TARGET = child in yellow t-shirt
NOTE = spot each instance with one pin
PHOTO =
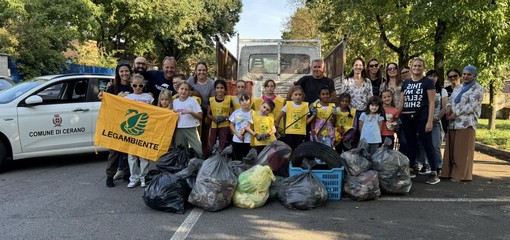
(269, 87)
(344, 124)
(296, 112)
(218, 112)
(322, 127)
(262, 127)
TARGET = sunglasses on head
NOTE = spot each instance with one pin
(137, 85)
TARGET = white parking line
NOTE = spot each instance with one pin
(186, 226)
(444, 199)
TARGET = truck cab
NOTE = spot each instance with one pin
(284, 61)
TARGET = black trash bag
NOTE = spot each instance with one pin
(393, 169)
(363, 187)
(176, 159)
(191, 171)
(277, 156)
(251, 157)
(151, 175)
(302, 191)
(275, 186)
(356, 160)
(215, 184)
(238, 167)
(167, 192)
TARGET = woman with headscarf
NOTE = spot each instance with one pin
(462, 111)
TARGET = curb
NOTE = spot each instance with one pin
(492, 151)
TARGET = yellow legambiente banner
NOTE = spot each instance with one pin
(135, 128)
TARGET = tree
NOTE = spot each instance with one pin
(447, 31)
(301, 25)
(40, 31)
(163, 28)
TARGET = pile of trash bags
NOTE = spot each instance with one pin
(216, 183)
(366, 176)
(360, 183)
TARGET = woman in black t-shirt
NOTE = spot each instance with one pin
(416, 110)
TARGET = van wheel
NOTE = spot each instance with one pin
(313, 150)
(3, 156)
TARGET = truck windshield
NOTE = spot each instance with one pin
(289, 64)
(18, 90)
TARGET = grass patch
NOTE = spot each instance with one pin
(498, 138)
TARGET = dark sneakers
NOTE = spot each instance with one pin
(109, 182)
(424, 170)
(433, 179)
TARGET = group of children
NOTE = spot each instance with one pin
(259, 121)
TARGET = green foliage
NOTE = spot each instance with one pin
(301, 25)
(476, 32)
(88, 54)
(499, 138)
(37, 32)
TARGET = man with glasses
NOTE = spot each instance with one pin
(375, 75)
(140, 66)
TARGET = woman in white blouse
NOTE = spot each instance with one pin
(462, 111)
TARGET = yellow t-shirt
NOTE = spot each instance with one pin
(293, 114)
(343, 119)
(324, 114)
(278, 105)
(220, 109)
(261, 125)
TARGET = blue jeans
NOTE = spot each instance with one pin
(436, 143)
(415, 124)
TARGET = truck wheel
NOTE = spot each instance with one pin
(313, 150)
(3, 156)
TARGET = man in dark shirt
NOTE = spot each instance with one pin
(160, 80)
(312, 83)
(140, 66)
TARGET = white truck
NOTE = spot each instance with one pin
(284, 61)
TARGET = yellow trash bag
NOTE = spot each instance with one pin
(252, 188)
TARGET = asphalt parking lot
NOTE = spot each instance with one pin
(66, 198)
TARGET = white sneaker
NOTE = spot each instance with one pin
(142, 183)
(132, 184)
(118, 175)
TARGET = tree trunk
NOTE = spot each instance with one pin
(492, 107)
(439, 48)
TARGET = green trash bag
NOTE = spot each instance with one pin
(252, 188)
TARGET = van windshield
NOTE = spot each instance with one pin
(289, 64)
